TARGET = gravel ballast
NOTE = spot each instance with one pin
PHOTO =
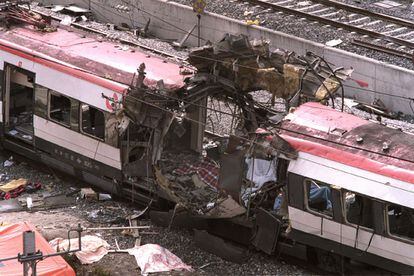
(313, 31)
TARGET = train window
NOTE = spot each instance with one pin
(59, 110)
(319, 197)
(400, 221)
(93, 121)
(358, 209)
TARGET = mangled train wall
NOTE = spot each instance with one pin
(380, 77)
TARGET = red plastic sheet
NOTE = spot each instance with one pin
(11, 243)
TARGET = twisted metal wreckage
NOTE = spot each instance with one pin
(203, 173)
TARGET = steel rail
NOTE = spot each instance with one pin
(355, 9)
(384, 49)
(332, 22)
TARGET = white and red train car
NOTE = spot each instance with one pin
(366, 171)
(52, 104)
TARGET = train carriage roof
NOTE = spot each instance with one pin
(90, 56)
(325, 132)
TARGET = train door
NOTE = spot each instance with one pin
(19, 105)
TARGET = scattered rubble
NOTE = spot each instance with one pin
(53, 223)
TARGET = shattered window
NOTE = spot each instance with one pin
(400, 221)
(93, 121)
(358, 209)
(59, 108)
(319, 197)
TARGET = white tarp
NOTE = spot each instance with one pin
(93, 248)
(153, 258)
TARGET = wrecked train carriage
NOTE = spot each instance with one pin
(350, 191)
(62, 103)
(329, 187)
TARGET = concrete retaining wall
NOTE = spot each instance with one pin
(171, 21)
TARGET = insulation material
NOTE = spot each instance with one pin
(11, 244)
(93, 248)
(271, 80)
(152, 258)
(293, 76)
(329, 84)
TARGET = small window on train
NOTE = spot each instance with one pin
(319, 197)
(358, 209)
(400, 221)
(93, 121)
(59, 109)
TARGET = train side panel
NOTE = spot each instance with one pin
(365, 239)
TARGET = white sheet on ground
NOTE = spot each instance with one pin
(153, 258)
(93, 248)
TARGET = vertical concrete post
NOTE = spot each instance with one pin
(198, 124)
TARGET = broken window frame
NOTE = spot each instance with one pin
(306, 198)
(41, 98)
(387, 226)
(62, 123)
(345, 214)
(81, 104)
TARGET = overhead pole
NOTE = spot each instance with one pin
(198, 7)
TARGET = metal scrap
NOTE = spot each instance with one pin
(244, 66)
(17, 14)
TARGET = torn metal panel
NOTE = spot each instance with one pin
(164, 184)
(231, 172)
(228, 208)
(267, 231)
(250, 66)
(178, 220)
(14, 13)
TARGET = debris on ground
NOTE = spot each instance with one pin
(88, 193)
(13, 185)
(8, 162)
(15, 188)
(153, 258)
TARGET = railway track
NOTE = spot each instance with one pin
(379, 32)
